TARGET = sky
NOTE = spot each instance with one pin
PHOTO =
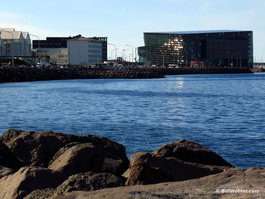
(124, 22)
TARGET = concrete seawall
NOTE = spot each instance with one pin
(14, 74)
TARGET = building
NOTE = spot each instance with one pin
(84, 51)
(53, 55)
(224, 48)
(104, 41)
(14, 43)
(55, 50)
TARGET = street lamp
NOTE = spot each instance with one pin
(38, 45)
(115, 49)
(12, 53)
(132, 51)
(112, 51)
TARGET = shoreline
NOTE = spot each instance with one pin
(23, 74)
(59, 165)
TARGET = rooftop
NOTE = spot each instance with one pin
(198, 32)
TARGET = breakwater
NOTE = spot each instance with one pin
(21, 74)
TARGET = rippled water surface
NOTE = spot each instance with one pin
(222, 112)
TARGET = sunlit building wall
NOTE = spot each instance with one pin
(84, 51)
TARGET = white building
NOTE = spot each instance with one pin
(14, 43)
(84, 51)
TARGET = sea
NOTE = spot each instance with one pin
(223, 112)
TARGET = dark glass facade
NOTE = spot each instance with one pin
(198, 48)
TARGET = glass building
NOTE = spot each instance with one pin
(225, 48)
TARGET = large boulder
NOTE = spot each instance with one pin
(178, 161)
(148, 168)
(79, 158)
(112, 163)
(28, 179)
(39, 148)
(191, 152)
(89, 181)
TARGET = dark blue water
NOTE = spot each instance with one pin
(222, 112)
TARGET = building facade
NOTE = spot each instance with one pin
(53, 55)
(56, 48)
(84, 51)
(225, 48)
(14, 43)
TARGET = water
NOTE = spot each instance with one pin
(222, 112)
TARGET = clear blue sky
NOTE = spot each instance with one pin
(124, 22)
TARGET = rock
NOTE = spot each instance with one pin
(41, 194)
(38, 148)
(28, 179)
(148, 168)
(213, 186)
(191, 152)
(178, 161)
(4, 171)
(89, 182)
(80, 158)
(63, 150)
(181, 169)
(7, 159)
(34, 148)
(114, 164)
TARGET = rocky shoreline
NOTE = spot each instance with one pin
(41, 165)
(22, 74)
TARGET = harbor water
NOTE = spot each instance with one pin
(223, 112)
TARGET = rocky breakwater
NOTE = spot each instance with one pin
(22, 74)
(40, 165)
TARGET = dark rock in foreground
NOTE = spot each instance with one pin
(59, 165)
(28, 179)
(39, 148)
(191, 152)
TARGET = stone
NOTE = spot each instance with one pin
(4, 171)
(112, 163)
(148, 168)
(7, 159)
(89, 181)
(213, 186)
(41, 194)
(62, 150)
(39, 148)
(191, 152)
(80, 158)
(35, 149)
(28, 179)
